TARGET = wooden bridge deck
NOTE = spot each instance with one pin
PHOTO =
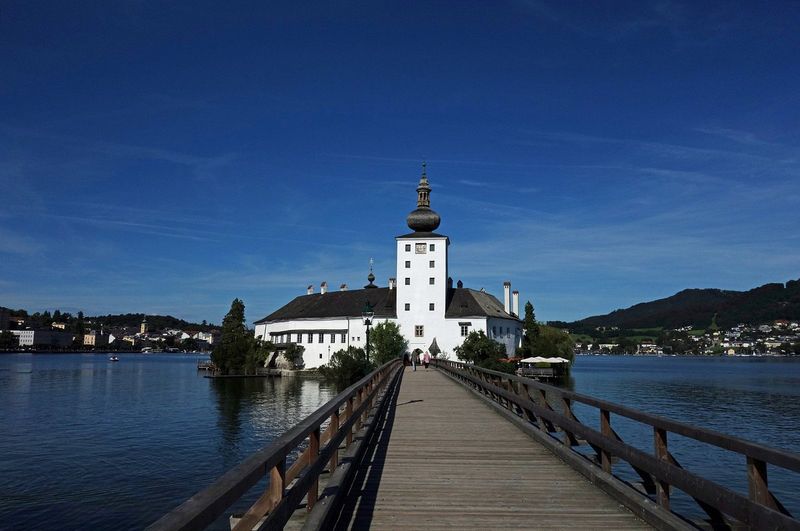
(446, 460)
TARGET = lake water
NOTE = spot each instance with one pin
(91, 444)
(755, 398)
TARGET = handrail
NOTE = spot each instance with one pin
(775, 456)
(660, 471)
(344, 413)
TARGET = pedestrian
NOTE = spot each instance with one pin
(414, 360)
(406, 359)
(426, 359)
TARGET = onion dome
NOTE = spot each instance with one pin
(423, 219)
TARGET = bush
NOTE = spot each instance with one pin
(497, 365)
(346, 367)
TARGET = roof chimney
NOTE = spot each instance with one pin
(392, 281)
(507, 296)
(310, 289)
(515, 303)
(343, 287)
(323, 288)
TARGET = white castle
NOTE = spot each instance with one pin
(421, 299)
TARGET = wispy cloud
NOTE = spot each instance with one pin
(204, 168)
(13, 243)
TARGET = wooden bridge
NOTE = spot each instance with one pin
(461, 447)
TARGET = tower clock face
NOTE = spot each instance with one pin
(420, 248)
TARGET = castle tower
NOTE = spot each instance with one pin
(143, 327)
(422, 272)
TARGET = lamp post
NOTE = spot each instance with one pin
(367, 316)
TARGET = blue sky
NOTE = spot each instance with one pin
(166, 157)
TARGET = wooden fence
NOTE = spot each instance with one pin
(344, 423)
(660, 472)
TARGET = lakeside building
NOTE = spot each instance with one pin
(43, 338)
(421, 299)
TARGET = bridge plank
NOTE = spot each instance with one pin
(448, 461)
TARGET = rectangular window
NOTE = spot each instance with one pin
(408, 264)
(310, 337)
(299, 338)
(433, 247)
(432, 263)
(431, 306)
(420, 248)
(419, 331)
(333, 338)
(464, 330)
(432, 281)
(408, 281)
(494, 332)
(408, 247)
(321, 336)
(408, 307)
(344, 338)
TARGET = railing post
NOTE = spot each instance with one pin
(757, 481)
(605, 429)
(313, 455)
(360, 401)
(662, 453)
(348, 412)
(569, 438)
(524, 392)
(277, 482)
(546, 423)
(334, 462)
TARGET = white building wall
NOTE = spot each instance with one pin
(418, 261)
(508, 332)
(317, 352)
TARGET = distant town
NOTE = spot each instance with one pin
(20, 331)
(131, 332)
(777, 338)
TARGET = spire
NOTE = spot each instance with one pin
(423, 219)
(371, 276)
(424, 189)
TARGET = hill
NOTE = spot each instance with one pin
(155, 322)
(698, 308)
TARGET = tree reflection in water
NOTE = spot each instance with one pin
(252, 412)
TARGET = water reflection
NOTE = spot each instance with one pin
(256, 410)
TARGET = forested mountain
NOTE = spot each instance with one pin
(698, 307)
(154, 322)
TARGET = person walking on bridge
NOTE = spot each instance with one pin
(426, 359)
(414, 360)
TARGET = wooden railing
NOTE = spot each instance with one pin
(532, 402)
(344, 423)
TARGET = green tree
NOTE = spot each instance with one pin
(231, 353)
(386, 342)
(531, 332)
(80, 328)
(346, 367)
(553, 343)
(8, 340)
(294, 355)
(189, 344)
(477, 347)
